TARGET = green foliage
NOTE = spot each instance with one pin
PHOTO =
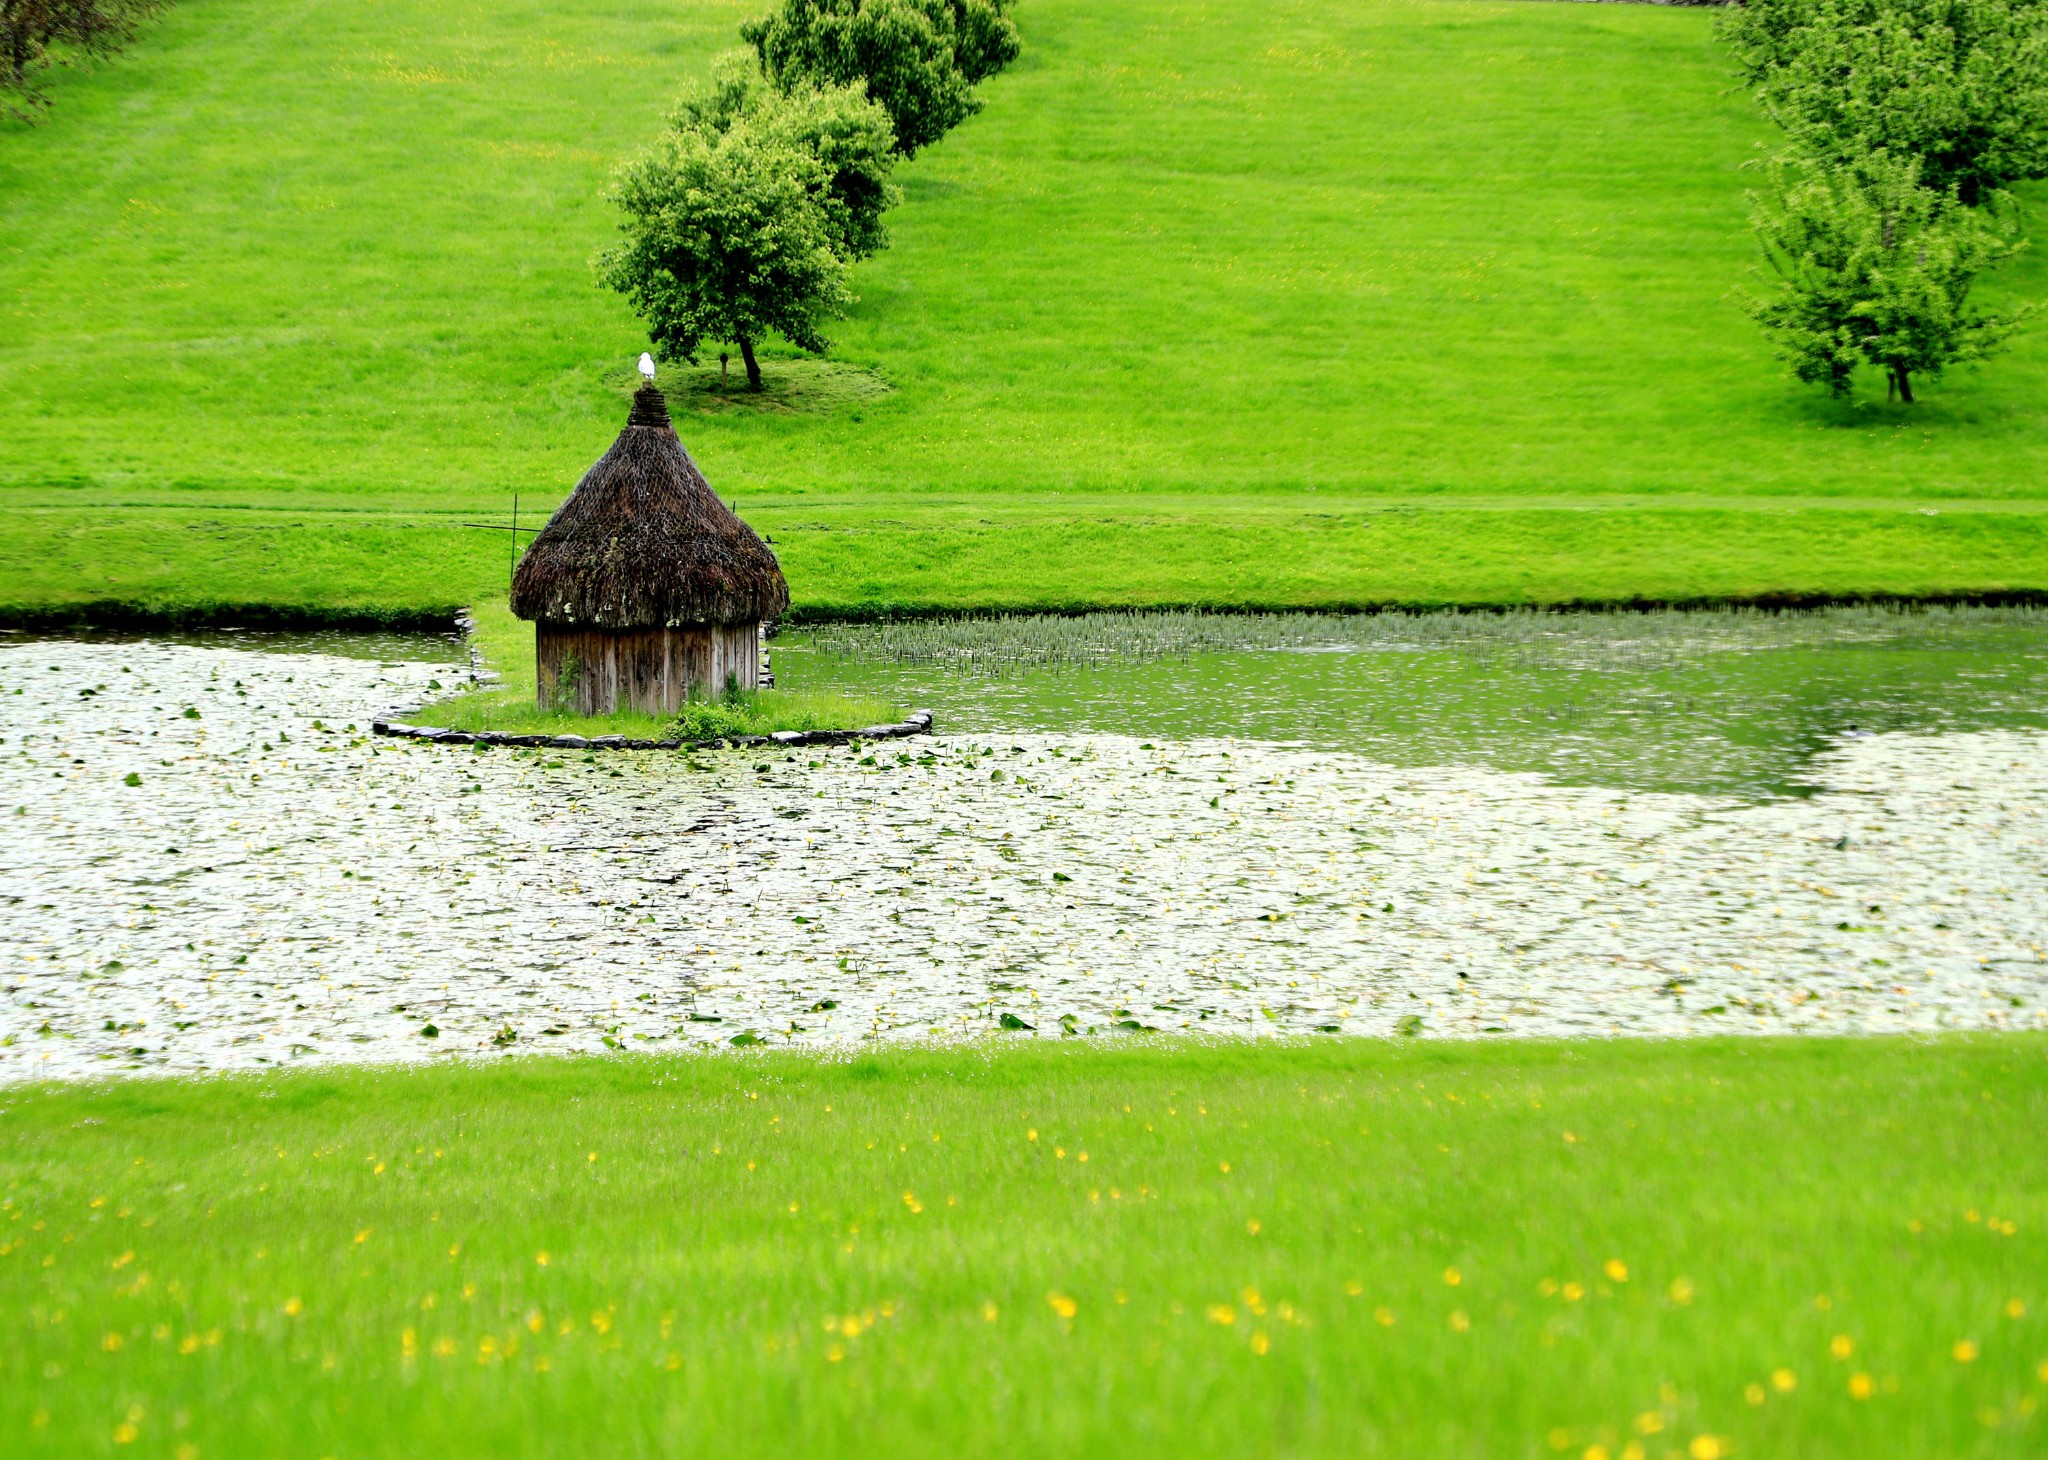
(848, 134)
(747, 213)
(1962, 85)
(920, 59)
(33, 33)
(1871, 266)
(775, 1254)
(726, 239)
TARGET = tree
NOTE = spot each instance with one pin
(1961, 85)
(849, 134)
(727, 238)
(920, 59)
(29, 29)
(1870, 265)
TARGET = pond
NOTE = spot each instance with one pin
(1569, 828)
(1737, 702)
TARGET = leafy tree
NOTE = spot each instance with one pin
(29, 29)
(1870, 265)
(920, 59)
(1962, 85)
(727, 237)
(849, 134)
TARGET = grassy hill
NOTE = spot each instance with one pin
(1286, 303)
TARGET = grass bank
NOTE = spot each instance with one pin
(1278, 305)
(882, 558)
(505, 644)
(1748, 1248)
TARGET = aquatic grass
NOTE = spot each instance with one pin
(998, 644)
(1139, 1247)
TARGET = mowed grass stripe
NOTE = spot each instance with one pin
(868, 559)
(1338, 1248)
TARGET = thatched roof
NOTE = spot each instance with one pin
(643, 542)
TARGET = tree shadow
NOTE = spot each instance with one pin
(796, 387)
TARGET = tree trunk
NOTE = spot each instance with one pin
(1905, 384)
(753, 365)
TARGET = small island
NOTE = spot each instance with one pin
(652, 604)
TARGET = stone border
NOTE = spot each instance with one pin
(392, 723)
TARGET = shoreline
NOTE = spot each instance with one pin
(115, 616)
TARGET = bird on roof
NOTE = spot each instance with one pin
(647, 367)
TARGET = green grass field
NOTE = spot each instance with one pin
(1298, 304)
(1744, 1248)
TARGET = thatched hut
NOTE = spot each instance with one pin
(644, 587)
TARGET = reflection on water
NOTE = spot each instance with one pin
(1732, 702)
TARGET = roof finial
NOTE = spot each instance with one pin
(647, 367)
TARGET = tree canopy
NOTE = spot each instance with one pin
(1867, 264)
(849, 135)
(1961, 85)
(726, 240)
(34, 32)
(919, 59)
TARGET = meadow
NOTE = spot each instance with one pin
(1294, 304)
(1621, 1249)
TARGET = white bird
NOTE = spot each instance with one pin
(647, 367)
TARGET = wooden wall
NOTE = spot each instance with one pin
(596, 671)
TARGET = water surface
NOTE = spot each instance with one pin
(1736, 702)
